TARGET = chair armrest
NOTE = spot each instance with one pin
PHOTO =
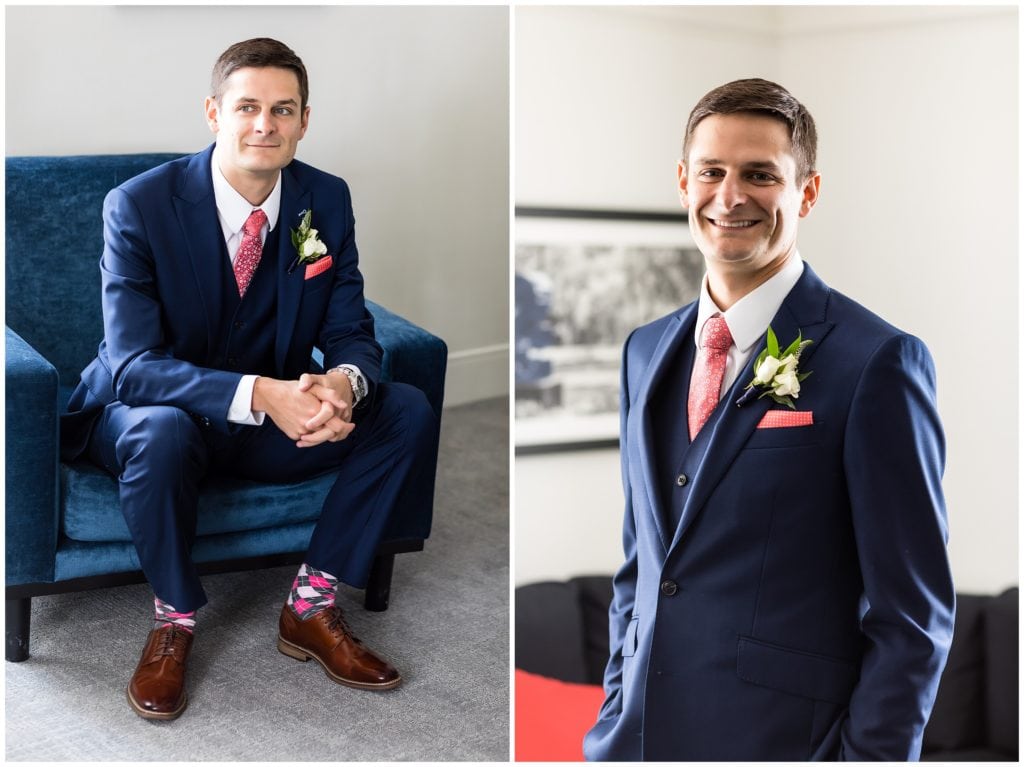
(31, 463)
(411, 354)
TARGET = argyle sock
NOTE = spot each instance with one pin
(312, 591)
(166, 615)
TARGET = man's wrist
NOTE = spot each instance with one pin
(356, 380)
(242, 410)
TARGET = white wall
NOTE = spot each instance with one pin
(917, 115)
(409, 105)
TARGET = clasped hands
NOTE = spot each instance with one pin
(310, 411)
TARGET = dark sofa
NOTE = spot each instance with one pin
(562, 633)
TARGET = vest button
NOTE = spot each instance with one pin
(669, 588)
(681, 480)
(239, 324)
(233, 361)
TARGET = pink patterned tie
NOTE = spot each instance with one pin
(708, 371)
(249, 252)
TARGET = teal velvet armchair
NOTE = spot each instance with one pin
(64, 528)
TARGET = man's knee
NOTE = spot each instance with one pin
(160, 435)
(410, 407)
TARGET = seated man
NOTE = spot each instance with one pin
(220, 272)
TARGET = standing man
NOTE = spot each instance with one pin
(220, 273)
(786, 593)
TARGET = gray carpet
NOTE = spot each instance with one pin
(446, 630)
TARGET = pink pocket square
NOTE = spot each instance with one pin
(318, 267)
(781, 419)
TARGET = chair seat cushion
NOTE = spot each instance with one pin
(91, 510)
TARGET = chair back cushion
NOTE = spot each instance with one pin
(54, 239)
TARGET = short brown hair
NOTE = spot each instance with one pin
(258, 52)
(764, 97)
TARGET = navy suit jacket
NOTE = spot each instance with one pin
(162, 289)
(810, 608)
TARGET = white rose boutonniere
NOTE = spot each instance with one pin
(776, 371)
(306, 241)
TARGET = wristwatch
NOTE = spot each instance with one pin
(355, 379)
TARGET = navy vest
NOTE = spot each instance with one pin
(247, 326)
(676, 459)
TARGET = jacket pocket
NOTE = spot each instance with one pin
(789, 436)
(629, 641)
(809, 675)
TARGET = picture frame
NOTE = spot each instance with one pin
(584, 280)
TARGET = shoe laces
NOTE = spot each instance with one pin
(337, 624)
(173, 642)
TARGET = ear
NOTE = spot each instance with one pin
(684, 196)
(212, 112)
(305, 122)
(810, 194)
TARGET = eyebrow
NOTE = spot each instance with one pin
(754, 165)
(251, 100)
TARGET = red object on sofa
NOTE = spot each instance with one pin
(552, 717)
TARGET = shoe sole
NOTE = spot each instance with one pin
(299, 653)
(157, 715)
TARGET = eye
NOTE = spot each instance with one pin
(762, 178)
(284, 111)
(710, 173)
(246, 108)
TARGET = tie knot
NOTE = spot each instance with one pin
(254, 223)
(716, 334)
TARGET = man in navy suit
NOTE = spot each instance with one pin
(786, 593)
(220, 273)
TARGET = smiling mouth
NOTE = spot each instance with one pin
(731, 224)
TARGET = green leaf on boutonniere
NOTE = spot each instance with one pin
(801, 376)
(773, 344)
(792, 347)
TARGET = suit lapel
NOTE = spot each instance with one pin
(197, 215)
(679, 329)
(294, 200)
(803, 310)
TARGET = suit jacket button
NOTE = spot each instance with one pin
(669, 588)
(681, 480)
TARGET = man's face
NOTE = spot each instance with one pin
(258, 121)
(739, 185)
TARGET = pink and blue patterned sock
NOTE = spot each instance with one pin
(312, 591)
(166, 615)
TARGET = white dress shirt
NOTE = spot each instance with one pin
(748, 318)
(233, 210)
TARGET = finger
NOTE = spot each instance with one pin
(346, 428)
(325, 414)
(306, 381)
(316, 437)
(327, 394)
(334, 430)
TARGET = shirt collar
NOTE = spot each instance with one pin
(749, 317)
(233, 209)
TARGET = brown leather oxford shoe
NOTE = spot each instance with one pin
(327, 639)
(157, 688)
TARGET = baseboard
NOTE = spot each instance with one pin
(476, 374)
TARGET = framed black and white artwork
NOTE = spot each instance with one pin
(584, 279)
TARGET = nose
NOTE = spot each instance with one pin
(264, 123)
(731, 193)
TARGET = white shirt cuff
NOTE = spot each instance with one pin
(241, 411)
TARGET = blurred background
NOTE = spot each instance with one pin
(917, 115)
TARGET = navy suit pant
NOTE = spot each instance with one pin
(160, 455)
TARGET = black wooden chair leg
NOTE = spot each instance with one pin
(378, 586)
(19, 621)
